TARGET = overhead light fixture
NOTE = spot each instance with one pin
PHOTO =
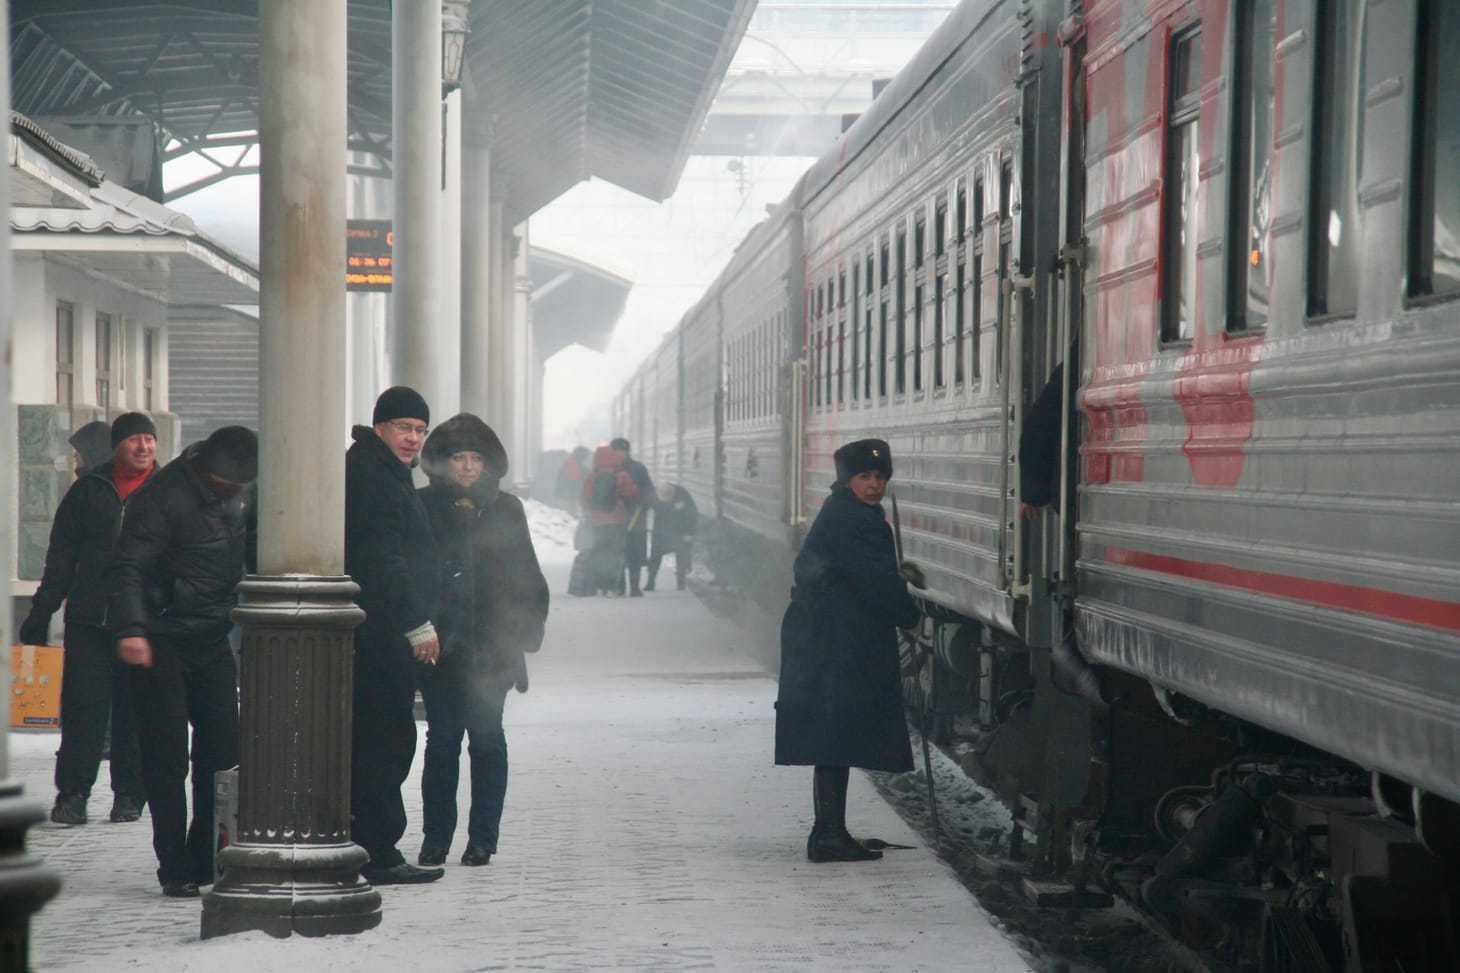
(454, 20)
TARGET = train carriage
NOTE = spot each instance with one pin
(701, 404)
(1222, 669)
(759, 303)
(914, 228)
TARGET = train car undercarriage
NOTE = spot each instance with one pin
(1248, 847)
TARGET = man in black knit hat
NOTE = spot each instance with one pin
(391, 555)
(94, 682)
(186, 543)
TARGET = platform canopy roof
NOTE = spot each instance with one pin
(569, 89)
(573, 301)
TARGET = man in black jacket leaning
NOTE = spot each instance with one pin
(390, 554)
(93, 680)
(185, 544)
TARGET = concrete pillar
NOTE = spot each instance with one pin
(447, 401)
(501, 303)
(416, 147)
(292, 866)
(25, 885)
(524, 453)
(477, 245)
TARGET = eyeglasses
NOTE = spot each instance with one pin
(407, 428)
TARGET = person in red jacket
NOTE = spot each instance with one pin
(606, 498)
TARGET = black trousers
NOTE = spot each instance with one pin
(681, 546)
(384, 741)
(462, 701)
(95, 686)
(188, 683)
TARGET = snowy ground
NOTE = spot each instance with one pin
(646, 829)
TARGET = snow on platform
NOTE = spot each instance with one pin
(646, 829)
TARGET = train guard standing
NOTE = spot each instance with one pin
(840, 702)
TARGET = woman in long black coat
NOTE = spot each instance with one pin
(840, 701)
(493, 606)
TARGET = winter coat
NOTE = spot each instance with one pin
(180, 556)
(83, 536)
(606, 460)
(389, 549)
(840, 701)
(639, 473)
(494, 598)
(678, 516)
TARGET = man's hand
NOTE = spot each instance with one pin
(425, 645)
(912, 574)
(427, 652)
(135, 650)
(36, 629)
(1028, 511)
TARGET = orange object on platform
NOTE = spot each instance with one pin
(35, 686)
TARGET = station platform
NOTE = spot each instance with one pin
(646, 828)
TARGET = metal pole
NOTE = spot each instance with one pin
(292, 867)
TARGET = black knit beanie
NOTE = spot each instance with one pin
(232, 453)
(130, 424)
(400, 402)
(861, 456)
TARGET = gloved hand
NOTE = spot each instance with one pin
(912, 574)
(36, 629)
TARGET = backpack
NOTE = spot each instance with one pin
(604, 495)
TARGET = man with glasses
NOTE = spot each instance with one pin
(391, 555)
(187, 538)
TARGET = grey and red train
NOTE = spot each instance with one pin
(1220, 673)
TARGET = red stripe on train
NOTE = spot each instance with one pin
(1346, 597)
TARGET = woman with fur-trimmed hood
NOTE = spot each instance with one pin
(493, 607)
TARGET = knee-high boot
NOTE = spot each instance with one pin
(829, 840)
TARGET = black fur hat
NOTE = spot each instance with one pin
(860, 456)
(463, 431)
(232, 453)
(619, 443)
(400, 402)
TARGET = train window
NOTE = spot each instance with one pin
(938, 330)
(975, 327)
(1006, 242)
(1250, 213)
(1333, 200)
(940, 228)
(920, 233)
(959, 283)
(856, 318)
(1434, 249)
(841, 288)
(1179, 184)
(841, 360)
(885, 253)
(830, 361)
(917, 338)
(899, 377)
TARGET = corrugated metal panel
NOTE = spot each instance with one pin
(213, 370)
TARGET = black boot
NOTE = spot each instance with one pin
(634, 591)
(829, 840)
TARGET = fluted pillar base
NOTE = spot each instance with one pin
(312, 890)
(291, 867)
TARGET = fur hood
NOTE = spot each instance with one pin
(463, 431)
